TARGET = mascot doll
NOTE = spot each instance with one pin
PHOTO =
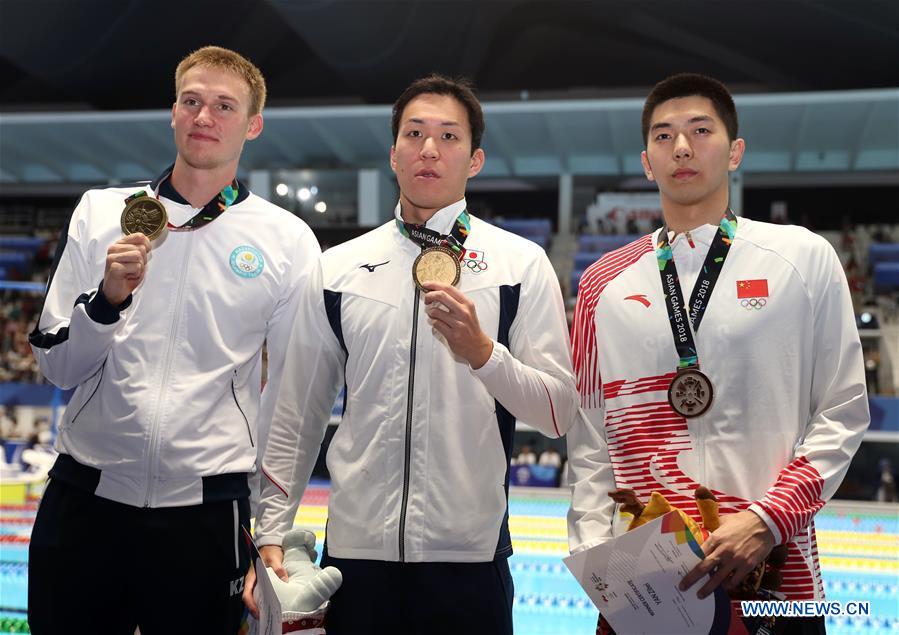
(304, 597)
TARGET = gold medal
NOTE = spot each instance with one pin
(145, 215)
(690, 393)
(436, 264)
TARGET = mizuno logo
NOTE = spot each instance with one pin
(641, 298)
(371, 268)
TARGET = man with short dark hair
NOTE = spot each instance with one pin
(739, 368)
(161, 332)
(444, 330)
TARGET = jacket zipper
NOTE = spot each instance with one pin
(408, 447)
(167, 367)
(96, 388)
(245, 420)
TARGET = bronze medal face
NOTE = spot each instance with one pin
(436, 264)
(690, 393)
(146, 215)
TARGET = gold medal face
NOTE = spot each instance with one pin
(690, 393)
(146, 215)
(436, 264)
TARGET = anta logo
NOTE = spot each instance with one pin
(371, 268)
(236, 587)
(641, 298)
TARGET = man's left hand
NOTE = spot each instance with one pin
(731, 552)
(458, 323)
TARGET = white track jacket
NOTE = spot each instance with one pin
(168, 390)
(420, 461)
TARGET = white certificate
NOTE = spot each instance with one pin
(632, 580)
(269, 622)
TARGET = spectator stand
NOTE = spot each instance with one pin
(538, 230)
(591, 247)
(883, 258)
(24, 392)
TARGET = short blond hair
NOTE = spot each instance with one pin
(227, 60)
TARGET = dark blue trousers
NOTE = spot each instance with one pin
(97, 566)
(420, 598)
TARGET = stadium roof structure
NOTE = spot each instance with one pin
(786, 133)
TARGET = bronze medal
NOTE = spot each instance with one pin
(690, 393)
(436, 264)
(145, 215)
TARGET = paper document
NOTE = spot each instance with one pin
(267, 601)
(633, 580)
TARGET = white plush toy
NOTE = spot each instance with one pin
(304, 597)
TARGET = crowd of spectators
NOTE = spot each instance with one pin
(18, 312)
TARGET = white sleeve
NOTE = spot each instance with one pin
(838, 414)
(313, 372)
(77, 325)
(277, 334)
(533, 378)
(590, 475)
(590, 478)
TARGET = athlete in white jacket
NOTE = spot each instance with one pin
(163, 343)
(758, 350)
(418, 514)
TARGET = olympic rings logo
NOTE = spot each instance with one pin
(476, 266)
(753, 303)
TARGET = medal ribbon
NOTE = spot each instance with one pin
(425, 237)
(212, 210)
(702, 290)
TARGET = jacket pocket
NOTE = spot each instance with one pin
(242, 413)
(96, 388)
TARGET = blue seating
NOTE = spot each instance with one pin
(575, 279)
(883, 252)
(538, 230)
(14, 258)
(584, 259)
(22, 243)
(598, 242)
(543, 241)
(527, 227)
(886, 277)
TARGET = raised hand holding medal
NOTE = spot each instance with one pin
(455, 317)
(144, 219)
(126, 264)
(436, 271)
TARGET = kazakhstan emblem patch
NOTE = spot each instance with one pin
(247, 262)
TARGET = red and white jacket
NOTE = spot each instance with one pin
(784, 356)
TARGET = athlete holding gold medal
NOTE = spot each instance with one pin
(161, 332)
(438, 363)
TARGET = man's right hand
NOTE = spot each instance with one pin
(272, 556)
(126, 263)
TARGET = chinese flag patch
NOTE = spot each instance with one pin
(752, 288)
